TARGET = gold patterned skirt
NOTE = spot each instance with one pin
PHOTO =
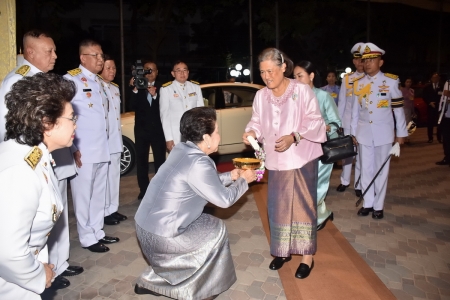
(292, 209)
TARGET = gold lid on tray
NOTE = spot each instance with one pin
(247, 163)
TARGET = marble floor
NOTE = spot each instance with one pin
(409, 249)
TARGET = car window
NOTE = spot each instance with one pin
(237, 96)
(209, 97)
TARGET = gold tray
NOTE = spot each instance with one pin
(247, 163)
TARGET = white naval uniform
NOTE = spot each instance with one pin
(15, 75)
(30, 202)
(176, 98)
(59, 240)
(373, 126)
(346, 100)
(91, 139)
(115, 147)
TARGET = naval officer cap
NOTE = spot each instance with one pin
(356, 50)
(369, 50)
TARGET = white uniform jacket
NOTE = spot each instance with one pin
(115, 130)
(346, 98)
(375, 99)
(15, 75)
(176, 98)
(91, 105)
(31, 203)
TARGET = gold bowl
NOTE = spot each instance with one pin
(247, 163)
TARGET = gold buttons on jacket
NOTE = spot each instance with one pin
(370, 122)
(370, 112)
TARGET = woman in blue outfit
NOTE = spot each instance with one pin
(332, 88)
(305, 72)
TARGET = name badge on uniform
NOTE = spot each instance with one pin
(87, 90)
(192, 94)
(383, 104)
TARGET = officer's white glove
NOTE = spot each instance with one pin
(395, 150)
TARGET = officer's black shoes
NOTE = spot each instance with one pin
(363, 211)
(304, 270)
(341, 187)
(278, 262)
(72, 271)
(97, 247)
(143, 291)
(358, 193)
(443, 162)
(377, 214)
(110, 220)
(109, 240)
(119, 216)
(430, 141)
(322, 225)
(59, 283)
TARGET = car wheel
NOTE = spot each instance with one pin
(128, 156)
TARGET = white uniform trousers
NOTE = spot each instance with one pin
(347, 167)
(89, 196)
(371, 160)
(112, 191)
(58, 241)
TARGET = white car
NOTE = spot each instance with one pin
(233, 102)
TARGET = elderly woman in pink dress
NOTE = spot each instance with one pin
(286, 119)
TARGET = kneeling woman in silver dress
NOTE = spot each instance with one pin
(188, 250)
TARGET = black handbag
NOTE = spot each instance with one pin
(338, 148)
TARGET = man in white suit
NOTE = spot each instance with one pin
(112, 216)
(345, 105)
(92, 157)
(40, 56)
(176, 97)
(377, 96)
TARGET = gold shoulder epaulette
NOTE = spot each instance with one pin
(358, 78)
(33, 157)
(195, 82)
(114, 84)
(167, 84)
(23, 70)
(100, 76)
(391, 76)
(74, 72)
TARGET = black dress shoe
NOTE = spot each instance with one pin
(377, 214)
(304, 270)
(97, 247)
(72, 271)
(110, 220)
(119, 216)
(278, 262)
(358, 193)
(109, 240)
(364, 211)
(143, 291)
(322, 225)
(443, 162)
(430, 141)
(341, 187)
(141, 195)
(59, 283)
